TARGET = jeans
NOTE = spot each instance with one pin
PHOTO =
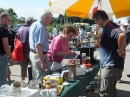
(3, 69)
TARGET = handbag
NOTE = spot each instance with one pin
(18, 50)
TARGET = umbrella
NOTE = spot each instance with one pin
(84, 8)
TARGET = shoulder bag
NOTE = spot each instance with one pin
(18, 49)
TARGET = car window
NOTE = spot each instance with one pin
(16, 27)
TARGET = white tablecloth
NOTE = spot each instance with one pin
(33, 93)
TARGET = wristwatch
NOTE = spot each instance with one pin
(120, 51)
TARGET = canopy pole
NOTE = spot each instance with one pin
(100, 4)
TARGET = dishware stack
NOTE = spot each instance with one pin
(16, 88)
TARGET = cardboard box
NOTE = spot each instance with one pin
(80, 70)
(92, 94)
(94, 91)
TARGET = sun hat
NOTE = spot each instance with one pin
(124, 22)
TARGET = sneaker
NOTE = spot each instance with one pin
(119, 81)
(128, 75)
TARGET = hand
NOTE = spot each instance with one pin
(96, 32)
(11, 61)
(72, 52)
(122, 53)
(96, 44)
(43, 67)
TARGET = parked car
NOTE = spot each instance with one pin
(16, 27)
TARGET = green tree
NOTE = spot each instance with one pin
(2, 10)
(54, 21)
(14, 19)
(60, 19)
(13, 16)
(49, 28)
(128, 18)
(22, 19)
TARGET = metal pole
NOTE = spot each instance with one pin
(99, 52)
(100, 4)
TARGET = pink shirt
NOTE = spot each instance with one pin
(57, 45)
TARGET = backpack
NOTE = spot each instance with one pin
(18, 49)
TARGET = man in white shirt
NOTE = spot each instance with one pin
(124, 26)
(81, 33)
(54, 31)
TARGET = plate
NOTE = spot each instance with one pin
(65, 83)
(59, 89)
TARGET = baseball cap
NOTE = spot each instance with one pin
(124, 22)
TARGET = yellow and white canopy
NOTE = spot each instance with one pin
(84, 8)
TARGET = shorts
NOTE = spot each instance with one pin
(24, 65)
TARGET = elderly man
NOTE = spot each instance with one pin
(39, 45)
(23, 35)
(111, 47)
(124, 27)
(4, 48)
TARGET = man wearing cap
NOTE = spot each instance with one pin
(23, 36)
(123, 27)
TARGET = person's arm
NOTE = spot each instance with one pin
(121, 44)
(70, 52)
(97, 42)
(41, 56)
(7, 49)
(63, 53)
(55, 47)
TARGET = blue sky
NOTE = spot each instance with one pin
(27, 8)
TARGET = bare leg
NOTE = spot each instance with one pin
(9, 72)
(23, 78)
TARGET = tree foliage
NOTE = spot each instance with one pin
(2, 10)
(128, 18)
(60, 21)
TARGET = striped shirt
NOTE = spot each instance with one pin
(38, 35)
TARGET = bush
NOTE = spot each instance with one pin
(49, 28)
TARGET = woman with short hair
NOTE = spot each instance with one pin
(59, 47)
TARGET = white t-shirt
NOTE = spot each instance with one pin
(54, 31)
(125, 30)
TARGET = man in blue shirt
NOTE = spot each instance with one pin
(111, 51)
(39, 45)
